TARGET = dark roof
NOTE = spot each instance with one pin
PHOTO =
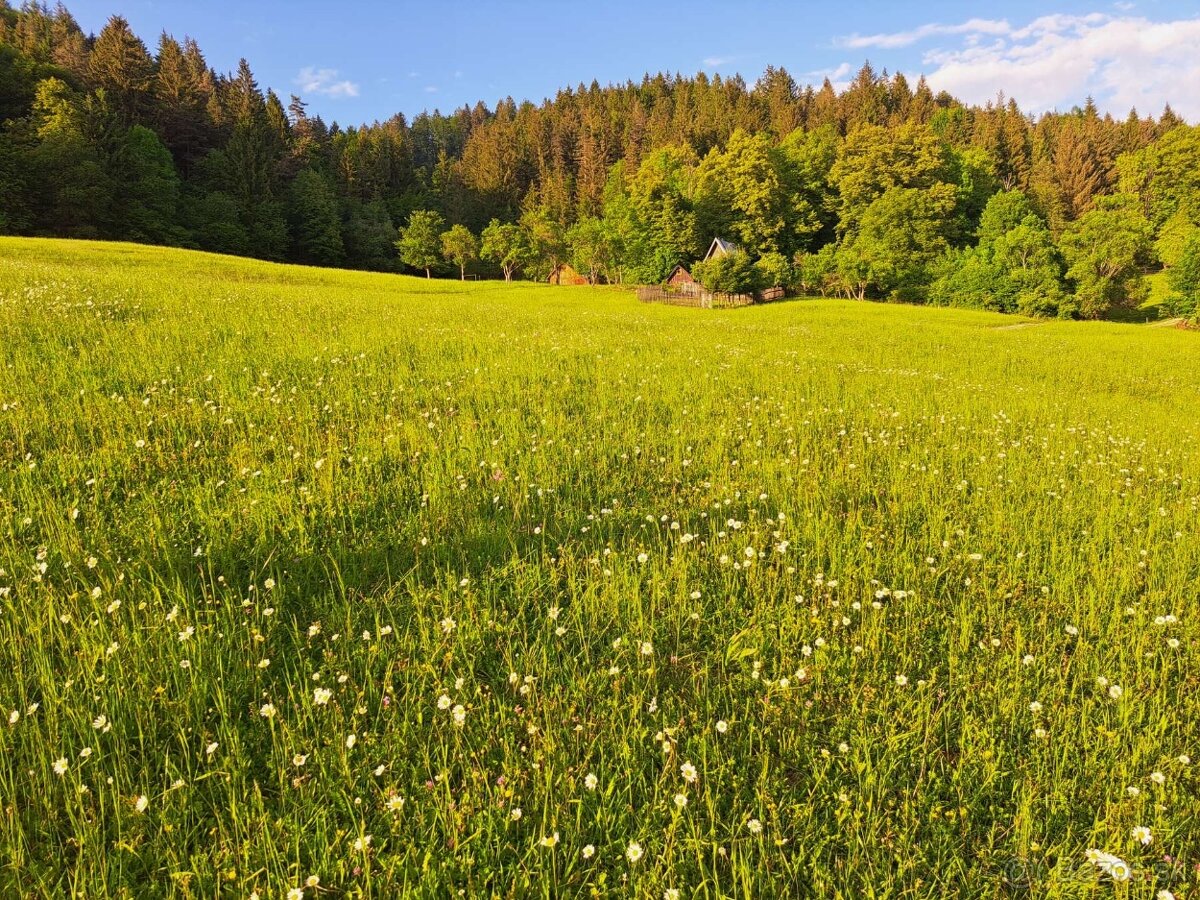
(719, 244)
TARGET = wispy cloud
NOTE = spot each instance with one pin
(715, 62)
(325, 82)
(1055, 61)
(895, 39)
(839, 76)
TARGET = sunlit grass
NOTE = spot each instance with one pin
(831, 599)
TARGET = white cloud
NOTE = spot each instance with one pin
(839, 76)
(1056, 61)
(906, 38)
(325, 82)
(714, 62)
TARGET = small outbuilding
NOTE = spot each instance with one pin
(681, 280)
(565, 274)
(718, 248)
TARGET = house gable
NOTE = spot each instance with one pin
(719, 247)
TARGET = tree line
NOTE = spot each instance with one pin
(883, 190)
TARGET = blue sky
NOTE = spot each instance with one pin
(362, 61)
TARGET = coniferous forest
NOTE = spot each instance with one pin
(884, 190)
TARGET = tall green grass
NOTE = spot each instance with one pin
(358, 578)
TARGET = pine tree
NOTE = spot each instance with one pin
(899, 99)
(1168, 120)
(779, 96)
(181, 97)
(69, 44)
(865, 101)
(313, 221)
(1078, 171)
(121, 66)
(825, 109)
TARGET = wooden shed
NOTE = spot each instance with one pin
(565, 274)
(719, 247)
(679, 277)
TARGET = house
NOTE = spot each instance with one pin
(718, 248)
(565, 274)
(681, 280)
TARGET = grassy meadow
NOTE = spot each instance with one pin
(323, 584)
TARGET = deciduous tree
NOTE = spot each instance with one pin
(460, 246)
(420, 243)
(506, 246)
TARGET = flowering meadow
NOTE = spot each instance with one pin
(329, 584)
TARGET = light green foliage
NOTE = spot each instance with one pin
(874, 160)
(775, 270)
(730, 273)
(459, 246)
(863, 567)
(745, 192)
(420, 243)
(1032, 264)
(71, 188)
(1104, 251)
(1005, 211)
(591, 247)
(972, 171)
(507, 246)
(1174, 236)
(899, 236)
(1014, 268)
(545, 237)
(1184, 281)
(662, 214)
(808, 158)
(626, 234)
(816, 272)
(1165, 176)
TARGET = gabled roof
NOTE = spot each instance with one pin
(721, 247)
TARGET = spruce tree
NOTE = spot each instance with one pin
(121, 66)
(313, 221)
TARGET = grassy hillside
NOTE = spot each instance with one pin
(313, 574)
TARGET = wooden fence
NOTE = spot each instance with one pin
(706, 299)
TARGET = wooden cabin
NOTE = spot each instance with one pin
(565, 274)
(718, 248)
(681, 280)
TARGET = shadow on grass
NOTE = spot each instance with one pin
(1141, 315)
